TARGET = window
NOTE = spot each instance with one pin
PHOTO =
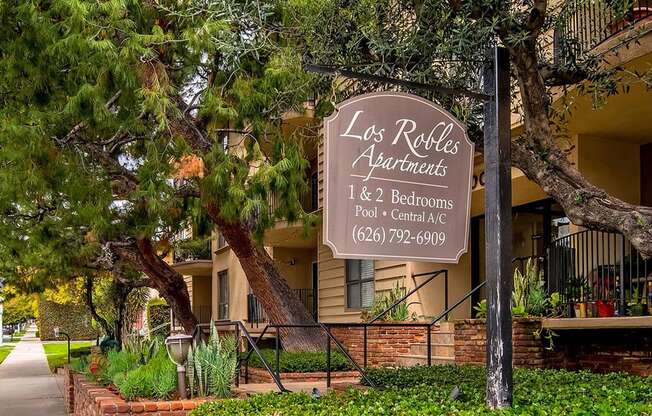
(314, 192)
(359, 283)
(223, 304)
(221, 241)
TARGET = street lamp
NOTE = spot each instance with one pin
(178, 346)
(58, 333)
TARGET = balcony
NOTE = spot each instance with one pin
(583, 25)
(193, 257)
(599, 274)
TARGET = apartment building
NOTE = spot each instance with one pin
(612, 147)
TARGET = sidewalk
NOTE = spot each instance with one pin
(27, 388)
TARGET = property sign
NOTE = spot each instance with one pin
(398, 180)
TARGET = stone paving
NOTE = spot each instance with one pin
(27, 387)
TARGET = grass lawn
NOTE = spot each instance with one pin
(57, 354)
(5, 349)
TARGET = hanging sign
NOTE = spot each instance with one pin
(398, 174)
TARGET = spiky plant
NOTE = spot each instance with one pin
(212, 365)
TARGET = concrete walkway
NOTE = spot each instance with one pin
(27, 388)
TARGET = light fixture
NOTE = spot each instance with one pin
(178, 346)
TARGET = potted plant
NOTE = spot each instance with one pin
(577, 292)
(636, 306)
(606, 308)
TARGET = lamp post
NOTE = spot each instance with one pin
(58, 333)
(178, 346)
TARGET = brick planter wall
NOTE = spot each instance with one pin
(68, 388)
(603, 350)
(260, 375)
(384, 343)
(471, 340)
(90, 399)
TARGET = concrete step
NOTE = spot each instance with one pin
(445, 326)
(438, 349)
(443, 338)
(410, 360)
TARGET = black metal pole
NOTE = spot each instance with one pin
(239, 355)
(498, 235)
(278, 353)
(429, 344)
(328, 361)
(364, 343)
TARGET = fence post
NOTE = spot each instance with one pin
(429, 343)
(328, 361)
(364, 343)
(278, 353)
(621, 297)
(237, 351)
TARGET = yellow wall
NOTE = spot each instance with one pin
(295, 265)
(613, 165)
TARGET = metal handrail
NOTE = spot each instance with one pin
(419, 286)
(332, 338)
(458, 303)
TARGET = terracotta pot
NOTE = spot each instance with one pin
(580, 309)
(606, 309)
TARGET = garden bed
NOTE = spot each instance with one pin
(88, 398)
(426, 390)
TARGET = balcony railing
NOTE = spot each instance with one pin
(256, 314)
(598, 267)
(190, 250)
(584, 24)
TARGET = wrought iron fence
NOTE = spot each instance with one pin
(596, 267)
(256, 313)
(584, 24)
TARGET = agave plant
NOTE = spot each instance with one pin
(211, 366)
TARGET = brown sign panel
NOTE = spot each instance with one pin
(398, 180)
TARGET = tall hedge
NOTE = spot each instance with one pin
(158, 313)
(73, 319)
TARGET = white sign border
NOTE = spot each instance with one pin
(327, 167)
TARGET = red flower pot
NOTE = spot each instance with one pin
(605, 309)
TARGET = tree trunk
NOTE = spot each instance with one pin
(163, 277)
(270, 288)
(544, 162)
(169, 283)
(108, 330)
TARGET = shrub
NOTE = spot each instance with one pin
(384, 301)
(212, 366)
(425, 391)
(301, 362)
(73, 319)
(156, 379)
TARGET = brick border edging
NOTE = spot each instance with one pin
(87, 398)
(260, 375)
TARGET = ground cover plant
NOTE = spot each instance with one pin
(301, 362)
(57, 353)
(5, 350)
(427, 390)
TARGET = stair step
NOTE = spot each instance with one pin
(438, 349)
(410, 360)
(443, 338)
